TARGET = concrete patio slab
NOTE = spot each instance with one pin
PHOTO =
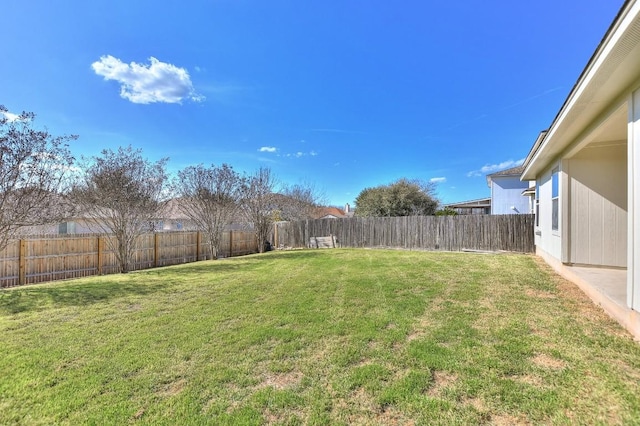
(606, 287)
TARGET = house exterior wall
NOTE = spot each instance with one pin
(506, 192)
(633, 191)
(548, 241)
(598, 206)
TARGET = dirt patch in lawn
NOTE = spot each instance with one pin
(507, 420)
(272, 417)
(172, 389)
(391, 416)
(546, 361)
(281, 380)
(425, 322)
(441, 380)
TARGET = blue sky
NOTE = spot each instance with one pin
(340, 94)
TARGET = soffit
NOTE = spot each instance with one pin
(612, 72)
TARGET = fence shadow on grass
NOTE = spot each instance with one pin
(288, 254)
(66, 294)
(95, 290)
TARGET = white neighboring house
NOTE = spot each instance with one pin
(587, 172)
(509, 195)
(507, 192)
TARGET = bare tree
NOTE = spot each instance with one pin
(34, 166)
(260, 204)
(122, 193)
(211, 198)
(299, 202)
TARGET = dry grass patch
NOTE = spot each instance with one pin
(393, 417)
(531, 379)
(172, 389)
(416, 334)
(547, 361)
(441, 381)
(507, 420)
(540, 294)
(281, 380)
(274, 417)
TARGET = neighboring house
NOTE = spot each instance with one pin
(506, 192)
(509, 195)
(587, 172)
(171, 219)
(329, 213)
(479, 206)
(333, 212)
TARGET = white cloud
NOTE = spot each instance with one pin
(438, 180)
(297, 154)
(10, 116)
(489, 168)
(145, 84)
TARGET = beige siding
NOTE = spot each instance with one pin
(598, 201)
(633, 255)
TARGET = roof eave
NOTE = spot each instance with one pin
(545, 149)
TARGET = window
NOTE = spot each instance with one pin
(554, 199)
(67, 228)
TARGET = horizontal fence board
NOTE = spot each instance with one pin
(36, 259)
(513, 233)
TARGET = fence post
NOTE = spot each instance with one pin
(100, 254)
(156, 240)
(230, 243)
(275, 235)
(22, 262)
(306, 234)
(198, 242)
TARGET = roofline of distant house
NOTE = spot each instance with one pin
(513, 171)
(470, 202)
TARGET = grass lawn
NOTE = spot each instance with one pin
(317, 337)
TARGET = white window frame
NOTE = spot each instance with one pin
(555, 200)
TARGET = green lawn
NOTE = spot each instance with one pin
(317, 337)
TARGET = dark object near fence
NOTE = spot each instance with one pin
(514, 233)
(267, 246)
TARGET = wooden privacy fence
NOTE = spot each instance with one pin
(450, 233)
(59, 257)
